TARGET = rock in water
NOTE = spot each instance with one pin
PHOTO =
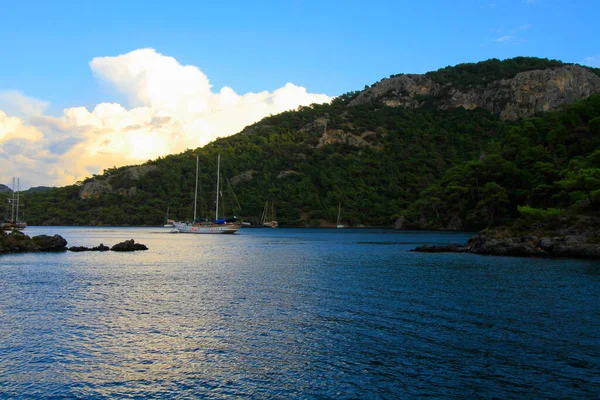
(50, 243)
(102, 247)
(446, 248)
(128, 245)
(78, 248)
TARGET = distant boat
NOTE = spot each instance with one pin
(169, 223)
(13, 222)
(266, 220)
(217, 226)
(338, 224)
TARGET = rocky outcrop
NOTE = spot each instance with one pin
(135, 173)
(521, 96)
(101, 247)
(50, 243)
(18, 242)
(399, 224)
(340, 136)
(97, 186)
(523, 246)
(446, 248)
(455, 224)
(283, 174)
(128, 245)
(243, 177)
(94, 188)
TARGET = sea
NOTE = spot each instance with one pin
(294, 314)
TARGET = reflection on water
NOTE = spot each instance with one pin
(285, 313)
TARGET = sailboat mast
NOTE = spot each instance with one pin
(339, 211)
(12, 209)
(218, 174)
(195, 192)
(18, 188)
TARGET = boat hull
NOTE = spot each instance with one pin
(207, 229)
(9, 226)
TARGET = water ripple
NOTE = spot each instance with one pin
(294, 313)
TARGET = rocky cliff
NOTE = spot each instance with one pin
(521, 96)
(122, 183)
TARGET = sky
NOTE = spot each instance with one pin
(86, 86)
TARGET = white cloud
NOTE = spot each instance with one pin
(505, 39)
(173, 108)
(592, 61)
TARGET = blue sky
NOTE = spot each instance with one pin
(89, 85)
(326, 46)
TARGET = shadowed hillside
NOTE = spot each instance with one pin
(425, 164)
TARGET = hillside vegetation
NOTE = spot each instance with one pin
(419, 168)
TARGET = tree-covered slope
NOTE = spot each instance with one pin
(373, 159)
(429, 167)
(543, 167)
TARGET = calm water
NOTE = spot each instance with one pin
(294, 313)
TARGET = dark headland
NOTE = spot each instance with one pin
(575, 237)
(18, 242)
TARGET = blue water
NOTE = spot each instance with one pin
(294, 313)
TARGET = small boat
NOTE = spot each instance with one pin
(203, 225)
(338, 224)
(13, 222)
(266, 220)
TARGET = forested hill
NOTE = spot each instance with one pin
(427, 165)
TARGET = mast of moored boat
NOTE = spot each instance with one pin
(339, 212)
(12, 203)
(196, 191)
(18, 188)
(218, 173)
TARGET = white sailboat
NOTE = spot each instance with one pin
(265, 220)
(14, 222)
(218, 226)
(338, 224)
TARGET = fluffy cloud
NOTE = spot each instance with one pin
(173, 107)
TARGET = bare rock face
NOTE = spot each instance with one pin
(97, 187)
(521, 96)
(94, 188)
(399, 91)
(540, 90)
(135, 173)
(399, 224)
(243, 177)
(289, 172)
